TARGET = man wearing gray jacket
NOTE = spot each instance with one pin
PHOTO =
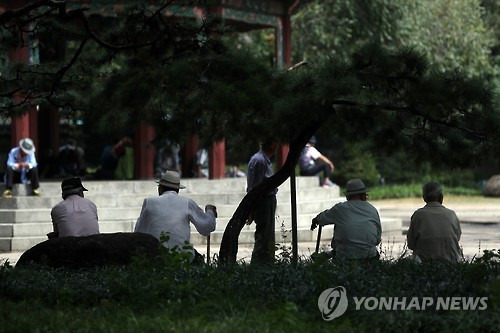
(171, 214)
(434, 229)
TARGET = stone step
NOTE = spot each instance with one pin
(29, 230)
(130, 211)
(104, 200)
(282, 234)
(205, 186)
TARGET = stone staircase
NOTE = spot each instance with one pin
(25, 220)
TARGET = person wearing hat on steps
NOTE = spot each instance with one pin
(75, 215)
(357, 224)
(171, 213)
(312, 162)
(21, 167)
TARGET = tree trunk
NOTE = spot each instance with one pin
(229, 244)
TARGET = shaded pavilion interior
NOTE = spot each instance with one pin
(43, 124)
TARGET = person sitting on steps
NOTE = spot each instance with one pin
(312, 162)
(21, 167)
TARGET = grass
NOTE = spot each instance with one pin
(415, 191)
(167, 296)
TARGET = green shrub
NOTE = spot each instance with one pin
(357, 163)
(165, 295)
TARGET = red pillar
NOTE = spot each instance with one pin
(217, 160)
(24, 126)
(144, 152)
(21, 126)
(217, 153)
(282, 152)
(191, 147)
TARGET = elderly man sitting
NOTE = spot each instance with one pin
(75, 215)
(434, 229)
(170, 213)
(357, 224)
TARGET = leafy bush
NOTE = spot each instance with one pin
(356, 163)
(165, 295)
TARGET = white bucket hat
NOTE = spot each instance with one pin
(171, 179)
(27, 146)
(355, 186)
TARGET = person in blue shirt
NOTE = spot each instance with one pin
(21, 167)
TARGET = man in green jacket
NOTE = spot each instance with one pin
(357, 224)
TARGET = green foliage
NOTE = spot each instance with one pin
(163, 296)
(451, 33)
(356, 163)
(415, 191)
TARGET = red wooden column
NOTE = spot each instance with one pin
(144, 152)
(217, 160)
(21, 125)
(20, 128)
(217, 153)
(286, 48)
(191, 146)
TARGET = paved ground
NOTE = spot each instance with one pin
(480, 229)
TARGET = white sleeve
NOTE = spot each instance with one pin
(314, 153)
(204, 222)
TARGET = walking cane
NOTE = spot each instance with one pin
(320, 227)
(208, 249)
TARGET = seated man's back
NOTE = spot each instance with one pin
(434, 229)
(434, 233)
(75, 215)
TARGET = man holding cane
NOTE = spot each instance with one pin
(170, 213)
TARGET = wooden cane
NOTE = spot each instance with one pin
(208, 249)
(319, 238)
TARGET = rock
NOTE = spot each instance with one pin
(91, 251)
(492, 187)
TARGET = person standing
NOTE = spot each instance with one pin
(434, 230)
(170, 213)
(260, 168)
(75, 215)
(358, 229)
(21, 167)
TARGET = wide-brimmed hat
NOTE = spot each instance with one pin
(171, 179)
(355, 186)
(27, 146)
(72, 185)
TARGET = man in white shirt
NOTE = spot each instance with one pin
(75, 216)
(171, 214)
